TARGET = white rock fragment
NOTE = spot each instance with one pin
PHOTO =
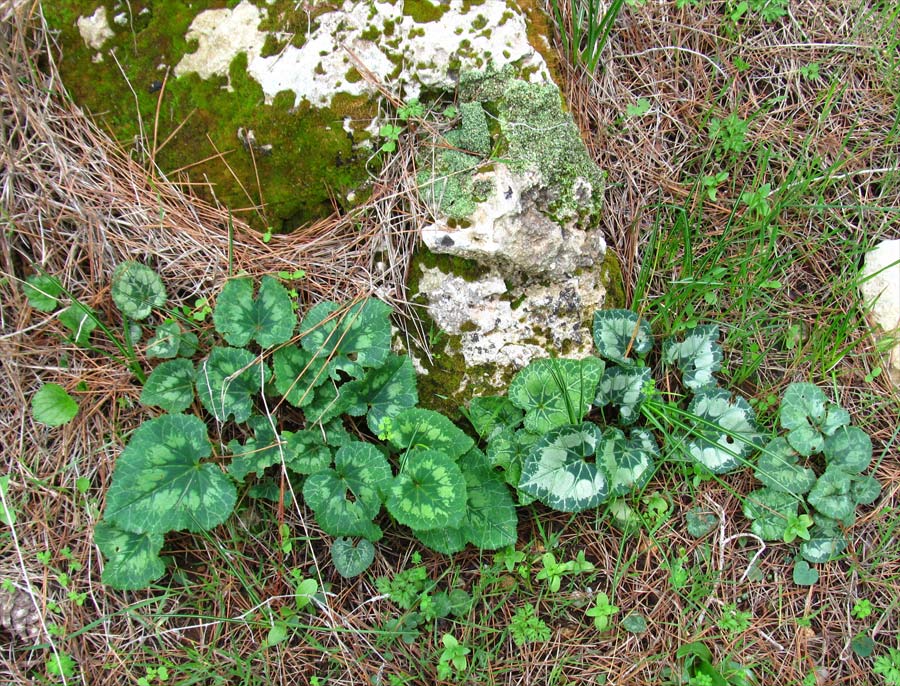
(422, 50)
(95, 29)
(880, 288)
(222, 35)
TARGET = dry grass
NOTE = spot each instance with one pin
(74, 206)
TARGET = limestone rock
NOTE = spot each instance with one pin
(880, 289)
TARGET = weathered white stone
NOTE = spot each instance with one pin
(511, 231)
(317, 70)
(95, 29)
(880, 289)
(221, 35)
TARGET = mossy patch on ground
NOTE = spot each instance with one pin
(296, 163)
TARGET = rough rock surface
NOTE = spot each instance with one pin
(529, 223)
(881, 292)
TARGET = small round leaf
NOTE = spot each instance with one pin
(352, 560)
(52, 406)
(137, 289)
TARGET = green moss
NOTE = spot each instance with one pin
(479, 22)
(611, 277)
(311, 159)
(422, 11)
(353, 75)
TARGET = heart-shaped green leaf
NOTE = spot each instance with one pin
(132, 560)
(557, 471)
(826, 542)
(349, 339)
(629, 464)
(778, 468)
(724, 430)
(488, 414)
(769, 511)
(297, 374)
(700, 521)
(698, 356)
(831, 495)
(804, 575)
(352, 560)
(555, 392)
(137, 289)
(420, 428)
(383, 392)
(429, 492)
(621, 336)
(623, 387)
(80, 320)
(347, 498)
(170, 386)
(160, 485)
(51, 405)
(267, 319)
(865, 490)
(809, 416)
(849, 449)
(227, 380)
(258, 453)
(490, 522)
(165, 341)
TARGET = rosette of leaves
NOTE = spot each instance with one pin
(818, 433)
(137, 289)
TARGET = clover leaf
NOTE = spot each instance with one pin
(347, 498)
(352, 560)
(420, 428)
(623, 387)
(621, 336)
(267, 319)
(383, 392)
(555, 392)
(159, 483)
(350, 340)
(698, 356)
(137, 289)
(170, 386)
(429, 492)
(132, 560)
(227, 381)
(778, 468)
(557, 471)
(724, 430)
(628, 463)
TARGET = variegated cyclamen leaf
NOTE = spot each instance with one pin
(137, 289)
(297, 374)
(490, 522)
(259, 453)
(347, 498)
(447, 540)
(555, 392)
(623, 387)
(352, 560)
(778, 468)
(490, 413)
(350, 339)
(621, 336)
(809, 416)
(629, 463)
(267, 319)
(724, 432)
(429, 492)
(849, 449)
(132, 560)
(698, 356)
(308, 451)
(831, 495)
(557, 471)
(165, 341)
(769, 511)
(420, 428)
(826, 541)
(226, 382)
(159, 483)
(507, 450)
(865, 490)
(383, 392)
(170, 386)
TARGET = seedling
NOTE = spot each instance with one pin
(888, 667)
(452, 660)
(526, 627)
(602, 611)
